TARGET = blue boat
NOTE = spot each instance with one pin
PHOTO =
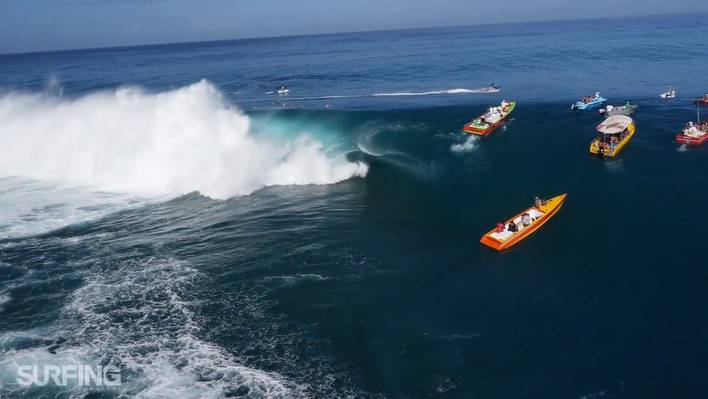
(589, 102)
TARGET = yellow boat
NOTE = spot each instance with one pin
(614, 134)
(502, 238)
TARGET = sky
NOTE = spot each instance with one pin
(37, 25)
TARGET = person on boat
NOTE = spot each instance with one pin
(500, 227)
(690, 128)
(512, 227)
(538, 203)
(526, 219)
(614, 140)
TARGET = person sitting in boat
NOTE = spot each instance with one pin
(526, 219)
(512, 227)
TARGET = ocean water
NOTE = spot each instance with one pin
(163, 212)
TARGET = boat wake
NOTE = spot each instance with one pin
(468, 145)
(460, 91)
(169, 143)
(482, 90)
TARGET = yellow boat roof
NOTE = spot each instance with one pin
(615, 124)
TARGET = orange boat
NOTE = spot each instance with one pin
(490, 120)
(504, 237)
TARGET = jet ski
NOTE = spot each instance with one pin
(671, 93)
(283, 90)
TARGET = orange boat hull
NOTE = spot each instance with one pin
(551, 207)
(469, 128)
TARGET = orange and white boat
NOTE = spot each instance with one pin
(490, 120)
(523, 225)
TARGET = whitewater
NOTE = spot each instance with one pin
(130, 140)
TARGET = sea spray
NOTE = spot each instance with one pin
(174, 142)
(468, 145)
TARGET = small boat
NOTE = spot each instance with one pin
(703, 100)
(493, 88)
(671, 93)
(627, 109)
(490, 120)
(693, 133)
(614, 133)
(589, 102)
(283, 90)
(523, 225)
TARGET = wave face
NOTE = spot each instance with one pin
(173, 142)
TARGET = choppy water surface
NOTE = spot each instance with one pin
(164, 212)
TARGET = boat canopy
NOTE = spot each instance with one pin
(615, 124)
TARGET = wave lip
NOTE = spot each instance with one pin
(174, 142)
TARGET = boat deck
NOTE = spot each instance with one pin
(505, 235)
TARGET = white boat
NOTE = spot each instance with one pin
(671, 93)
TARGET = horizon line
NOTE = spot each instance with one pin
(256, 38)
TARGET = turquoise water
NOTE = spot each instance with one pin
(163, 212)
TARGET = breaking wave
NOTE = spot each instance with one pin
(173, 142)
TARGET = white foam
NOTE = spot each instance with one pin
(29, 207)
(4, 298)
(174, 142)
(468, 145)
(436, 92)
(481, 90)
(136, 317)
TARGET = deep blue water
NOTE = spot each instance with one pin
(160, 212)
